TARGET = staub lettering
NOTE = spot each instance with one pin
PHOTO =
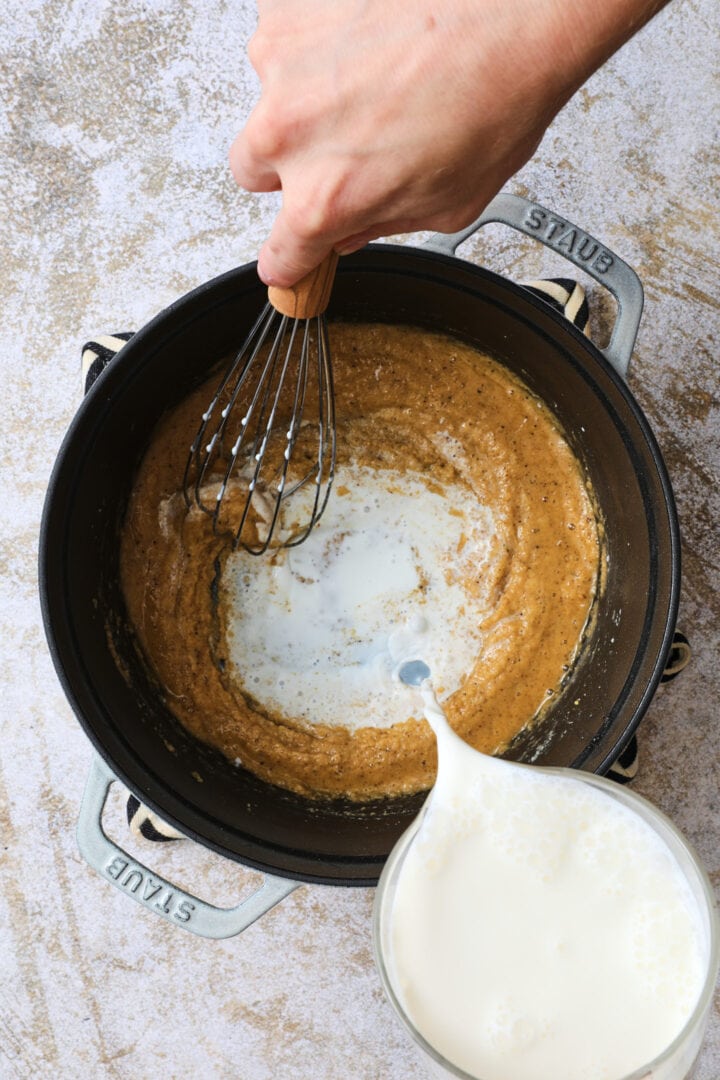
(152, 893)
(569, 240)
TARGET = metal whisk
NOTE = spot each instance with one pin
(270, 428)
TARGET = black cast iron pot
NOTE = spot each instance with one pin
(195, 789)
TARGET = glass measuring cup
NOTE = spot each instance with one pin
(676, 1061)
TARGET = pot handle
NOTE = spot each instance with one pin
(153, 891)
(579, 248)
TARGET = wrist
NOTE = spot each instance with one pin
(536, 53)
(584, 34)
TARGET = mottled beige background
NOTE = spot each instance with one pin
(115, 120)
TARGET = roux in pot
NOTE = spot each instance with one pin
(460, 526)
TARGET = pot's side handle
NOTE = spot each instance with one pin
(578, 247)
(153, 891)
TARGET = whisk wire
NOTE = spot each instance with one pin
(326, 434)
(239, 442)
(202, 453)
(263, 428)
(276, 483)
(298, 412)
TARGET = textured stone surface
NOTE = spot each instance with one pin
(114, 199)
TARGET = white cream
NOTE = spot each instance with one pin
(318, 631)
(539, 929)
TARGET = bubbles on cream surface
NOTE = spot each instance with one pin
(317, 631)
(539, 928)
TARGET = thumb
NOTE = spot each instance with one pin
(287, 256)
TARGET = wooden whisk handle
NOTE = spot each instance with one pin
(310, 296)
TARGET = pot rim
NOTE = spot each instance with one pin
(142, 346)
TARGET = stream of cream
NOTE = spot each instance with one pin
(540, 930)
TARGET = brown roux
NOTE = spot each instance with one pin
(396, 387)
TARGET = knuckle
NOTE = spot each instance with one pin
(332, 210)
(305, 218)
(266, 134)
(258, 52)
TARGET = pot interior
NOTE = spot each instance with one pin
(194, 787)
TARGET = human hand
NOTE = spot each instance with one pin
(378, 118)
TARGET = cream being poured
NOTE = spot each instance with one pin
(538, 928)
(318, 630)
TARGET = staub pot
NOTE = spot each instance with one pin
(193, 788)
